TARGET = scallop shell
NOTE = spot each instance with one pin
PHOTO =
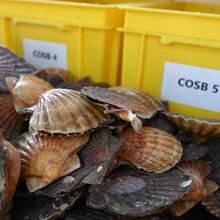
(11, 65)
(10, 165)
(139, 103)
(27, 90)
(45, 159)
(152, 150)
(96, 158)
(198, 127)
(212, 203)
(11, 123)
(65, 111)
(198, 171)
(137, 194)
(54, 76)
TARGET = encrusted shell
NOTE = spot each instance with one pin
(45, 159)
(11, 123)
(212, 203)
(27, 90)
(11, 65)
(152, 150)
(133, 193)
(198, 127)
(198, 171)
(65, 111)
(139, 103)
(10, 165)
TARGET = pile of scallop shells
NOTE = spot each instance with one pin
(79, 150)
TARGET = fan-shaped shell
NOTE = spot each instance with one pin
(152, 150)
(11, 123)
(11, 65)
(212, 203)
(27, 90)
(45, 159)
(10, 165)
(137, 194)
(199, 127)
(198, 171)
(65, 111)
(139, 103)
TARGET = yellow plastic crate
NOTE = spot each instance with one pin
(172, 50)
(80, 37)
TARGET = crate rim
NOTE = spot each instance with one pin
(139, 8)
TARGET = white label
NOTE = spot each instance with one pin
(43, 54)
(192, 86)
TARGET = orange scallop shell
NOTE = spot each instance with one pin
(11, 123)
(27, 90)
(152, 150)
(45, 159)
(10, 176)
(65, 111)
(198, 171)
(199, 127)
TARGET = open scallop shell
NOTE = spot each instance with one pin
(10, 165)
(198, 127)
(198, 171)
(11, 123)
(27, 90)
(126, 103)
(96, 158)
(152, 150)
(137, 194)
(65, 111)
(54, 76)
(45, 159)
(11, 65)
(212, 203)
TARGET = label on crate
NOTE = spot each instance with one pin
(45, 54)
(192, 86)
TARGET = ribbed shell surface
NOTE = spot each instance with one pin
(65, 111)
(11, 123)
(11, 65)
(138, 194)
(198, 171)
(48, 158)
(202, 128)
(27, 91)
(152, 150)
(139, 103)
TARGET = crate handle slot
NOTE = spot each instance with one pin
(53, 24)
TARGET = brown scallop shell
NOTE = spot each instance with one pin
(45, 159)
(65, 111)
(134, 193)
(11, 123)
(212, 203)
(152, 150)
(10, 165)
(27, 90)
(139, 103)
(55, 76)
(198, 171)
(198, 127)
(12, 65)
